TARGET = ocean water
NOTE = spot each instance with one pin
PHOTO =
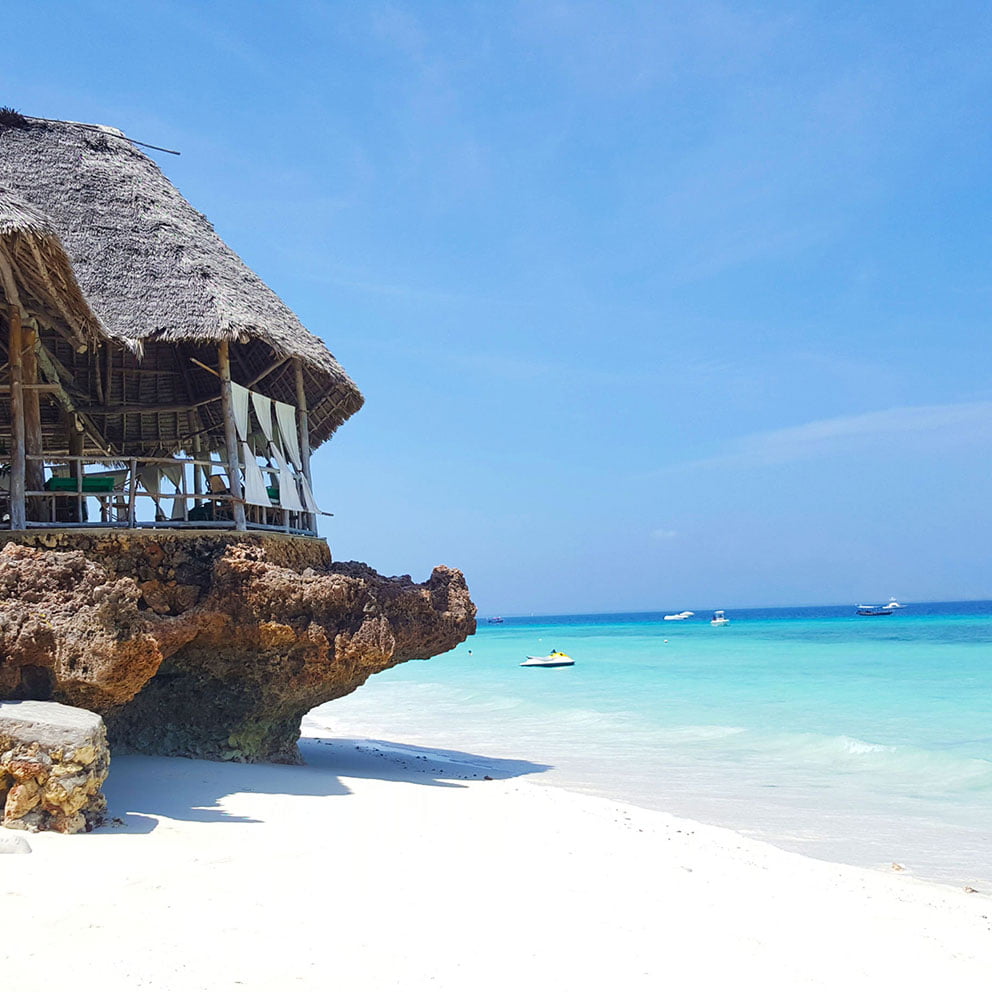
(861, 740)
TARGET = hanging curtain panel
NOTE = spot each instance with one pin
(149, 476)
(309, 501)
(255, 492)
(176, 474)
(239, 403)
(263, 411)
(289, 496)
(286, 416)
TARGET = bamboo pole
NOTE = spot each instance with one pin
(231, 436)
(132, 481)
(199, 475)
(34, 468)
(304, 431)
(18, 516)
(76, 443)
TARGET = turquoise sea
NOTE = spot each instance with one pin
(862, 740)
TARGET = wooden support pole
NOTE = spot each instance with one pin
(304, 429)
(231, 436)
(76, 443)
(132, 492)
(199, 474)
(18, 516)
(304, 419)
(34, 468)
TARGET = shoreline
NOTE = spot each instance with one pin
(879, 842)
(389, 866)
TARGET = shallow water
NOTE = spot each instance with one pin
(865, 740)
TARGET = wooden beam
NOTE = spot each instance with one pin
(76, 443)
(18, 515)
(207, 368)
(304, 422)
(50, 366)
(142, 408)
(278, 364)
(34, 470)
(38, 387)
(231, 436)
(304, 430)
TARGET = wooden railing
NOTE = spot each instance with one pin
(119, 497)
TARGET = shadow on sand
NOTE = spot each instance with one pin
(142, 788)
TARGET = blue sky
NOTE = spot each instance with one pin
(654, 305)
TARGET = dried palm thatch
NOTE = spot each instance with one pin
(34, 259)
(114, 259)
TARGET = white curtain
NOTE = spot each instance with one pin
(289, 497)
(255, 491)
(149, 477)
(309, 501)
(286, 416)
(239, 404)
(176, 474)
(263, 411)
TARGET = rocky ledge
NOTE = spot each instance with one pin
(213, 645)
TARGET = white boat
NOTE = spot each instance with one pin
(684, 615)
(557, 659)
(719, 620)
(893, 605)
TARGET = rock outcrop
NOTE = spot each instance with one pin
(213, 644)
(53, 763)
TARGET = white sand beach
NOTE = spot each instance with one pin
(373, 868)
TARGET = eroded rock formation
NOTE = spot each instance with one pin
(212, 645)
(53, 763)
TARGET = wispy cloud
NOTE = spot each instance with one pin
(662, 534)
(962, 422)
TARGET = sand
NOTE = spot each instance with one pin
(388, 868)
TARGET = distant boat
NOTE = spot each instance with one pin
(684, 615)
(557, 659)
(893, 605)
(719, 620)
(875, 611)
(495, 620)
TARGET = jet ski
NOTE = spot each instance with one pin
(557, 659)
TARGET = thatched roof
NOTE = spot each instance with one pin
(35, 259)
(150, 270)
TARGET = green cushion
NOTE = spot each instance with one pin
(92, 484)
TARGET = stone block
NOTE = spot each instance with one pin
(54, 760)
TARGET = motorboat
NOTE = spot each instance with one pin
(684, 615)
(893, 605)
(557, 659)
(719, 620)
(875, 611)
(495, 620)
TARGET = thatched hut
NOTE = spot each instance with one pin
(139, 343)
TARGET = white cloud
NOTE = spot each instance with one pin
(664, 535)
(903, 426)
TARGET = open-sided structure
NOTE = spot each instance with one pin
(149, 377)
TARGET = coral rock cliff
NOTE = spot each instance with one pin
(208, 645)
